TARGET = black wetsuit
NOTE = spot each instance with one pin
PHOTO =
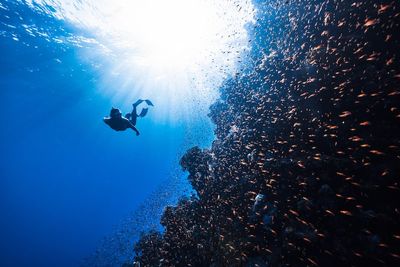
(118, 122)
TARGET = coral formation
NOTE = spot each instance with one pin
(305, 167)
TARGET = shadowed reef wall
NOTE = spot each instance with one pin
(305, 167)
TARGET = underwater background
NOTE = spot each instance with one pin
(72, 190)
(287, 128)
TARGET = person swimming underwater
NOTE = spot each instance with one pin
(118, 122)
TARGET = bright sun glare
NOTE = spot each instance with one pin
(176, 52)
(173, 34)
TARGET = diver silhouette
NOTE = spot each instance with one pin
(118, 122)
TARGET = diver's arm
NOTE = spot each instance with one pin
(133, 128)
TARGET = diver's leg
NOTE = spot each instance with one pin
(133, 116)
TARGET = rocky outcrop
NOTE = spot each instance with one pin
(305, 167)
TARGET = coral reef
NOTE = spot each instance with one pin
(305, 167)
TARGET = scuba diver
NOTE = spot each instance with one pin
(118, 122)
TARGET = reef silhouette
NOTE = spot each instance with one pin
(305, 167)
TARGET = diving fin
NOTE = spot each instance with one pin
(137, 102)
(144, 112)
(148, 102)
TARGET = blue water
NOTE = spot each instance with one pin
(66, 179)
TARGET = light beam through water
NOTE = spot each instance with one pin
(174, 52)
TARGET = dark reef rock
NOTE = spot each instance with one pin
(196, 162)
(313, 127)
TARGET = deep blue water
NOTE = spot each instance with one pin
(66, 179)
